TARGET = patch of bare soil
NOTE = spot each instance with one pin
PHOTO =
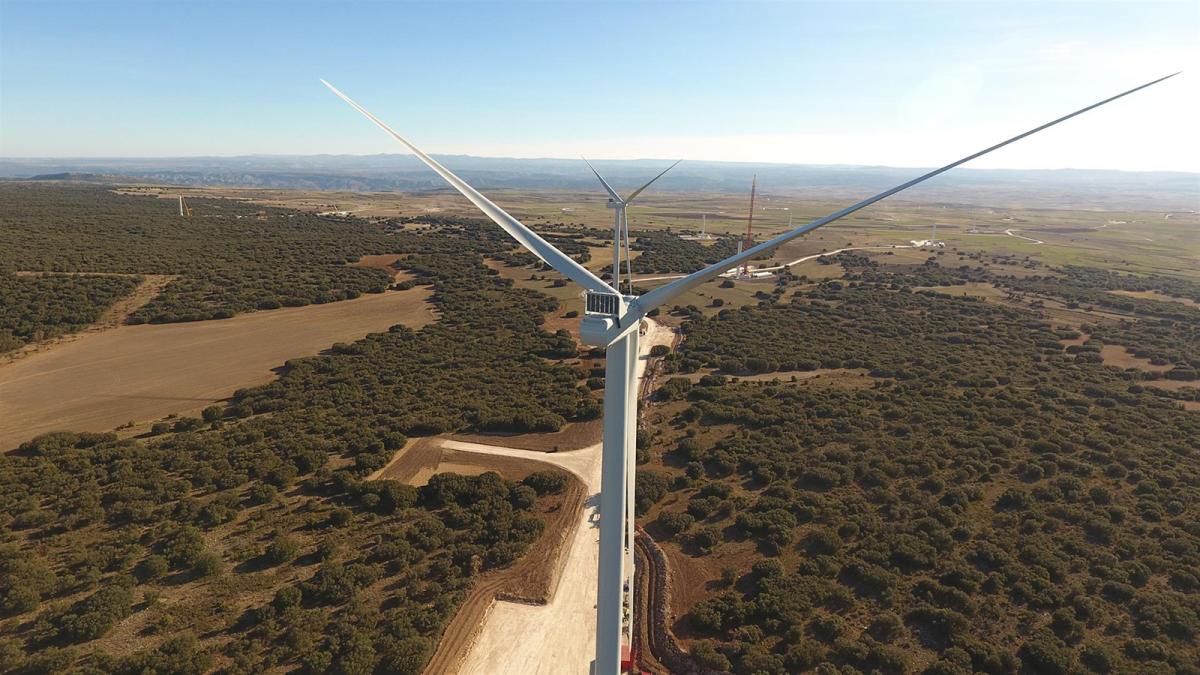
(418, 455)
(978, 289)
(1116, 355)
(380, 262)
(696, 578)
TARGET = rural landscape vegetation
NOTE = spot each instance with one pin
(894, 459)
(599, 338)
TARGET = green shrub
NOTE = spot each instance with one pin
(208, 565)
(282, 549)
(96, 614)
(549, 482)
(153, 568)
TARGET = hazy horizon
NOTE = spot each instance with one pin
(389, 172)
(510, 158)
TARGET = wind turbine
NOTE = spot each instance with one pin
(621, 223)
(612, 320)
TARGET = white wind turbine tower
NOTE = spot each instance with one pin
(622, 249)
(621, 224)
(612, 321)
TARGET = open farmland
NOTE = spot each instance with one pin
(142, 373)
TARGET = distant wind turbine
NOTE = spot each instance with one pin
(612, 321)
(621, 223)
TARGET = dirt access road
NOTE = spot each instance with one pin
(560, 636)
(97, 381)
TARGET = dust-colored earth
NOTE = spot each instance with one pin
(696, 578)
(383, 262)
(1116, 355)
(1155, 295)
(101, 380)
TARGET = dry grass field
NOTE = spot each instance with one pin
(142, 373)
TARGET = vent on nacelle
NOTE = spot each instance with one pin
(603, 303)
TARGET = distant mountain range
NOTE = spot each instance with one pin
(388, 172)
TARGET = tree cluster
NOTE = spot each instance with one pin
(40, 307)
(663, 252)
(233, 257)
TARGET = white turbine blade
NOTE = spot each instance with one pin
(526, 237)
(638, 191)
(616, 197)
(665, 293)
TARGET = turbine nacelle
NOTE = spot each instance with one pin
(607, 317)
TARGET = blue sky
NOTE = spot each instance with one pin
(902, 84)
